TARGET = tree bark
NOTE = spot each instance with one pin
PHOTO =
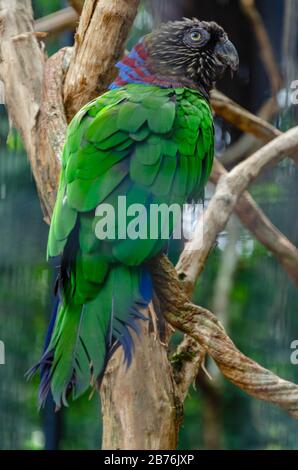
(141, 409)
(103, 24)
(77, 5)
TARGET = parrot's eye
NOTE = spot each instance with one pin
(195, 36)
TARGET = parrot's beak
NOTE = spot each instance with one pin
(227, 55)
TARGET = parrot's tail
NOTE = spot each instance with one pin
(81, 338)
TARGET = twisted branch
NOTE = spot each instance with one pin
(203, 326)
(192, 259)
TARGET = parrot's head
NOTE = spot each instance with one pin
(191, 52)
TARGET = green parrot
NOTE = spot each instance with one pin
(149, 139)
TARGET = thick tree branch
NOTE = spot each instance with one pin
(150, 398)
(204, 327)
(230, 188)
(21, 71)
(91, 68)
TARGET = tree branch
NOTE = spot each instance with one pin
(57, 22)
(266, 51)
(248, 143)
(229, 189)
(244, 120)
(51, 128)
(91, 69)
(150, 395)
(77, 5)
(204, 327)
(189, 355)
(187, 362)
(253, 218)
(21, 71)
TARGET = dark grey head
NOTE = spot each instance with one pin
(195, 53)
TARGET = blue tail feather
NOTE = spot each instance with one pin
(121, 328)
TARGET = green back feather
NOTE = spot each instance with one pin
(152, 145)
